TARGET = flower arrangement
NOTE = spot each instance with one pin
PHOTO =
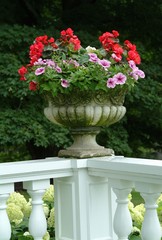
(63, 65)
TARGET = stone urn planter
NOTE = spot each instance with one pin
(84, 113)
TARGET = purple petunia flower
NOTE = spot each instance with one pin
(111, 83)
(120, 78)
(39, 71)
(64, 83)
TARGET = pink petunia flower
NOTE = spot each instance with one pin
(140, 73)
(132, 64)
(64, 83)
(111, 83)
(58, 69)
(104, 63)
(120, 78)
(39, 71)
(93, 57)
(74, 62)
(51, 63)
(40, 61)
(134, 75)
(137, 73)
(116, 58)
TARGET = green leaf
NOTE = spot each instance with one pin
(133, 237)
(84, 59)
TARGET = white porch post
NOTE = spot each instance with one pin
(82, 206)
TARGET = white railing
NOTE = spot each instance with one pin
(91, 196)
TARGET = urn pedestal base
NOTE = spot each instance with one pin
(85, 145)
(84, 112)
(82, 153)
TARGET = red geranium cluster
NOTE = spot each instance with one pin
(37, 48)
(110, 43)
(132, 52)
(68, 38)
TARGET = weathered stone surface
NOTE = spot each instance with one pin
(83, 153)
(85, 113)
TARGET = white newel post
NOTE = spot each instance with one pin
(151, 229)
(5, 227)
(82, 210)
(122, 218)
(37, 220)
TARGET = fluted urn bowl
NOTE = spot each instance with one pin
(85, 112)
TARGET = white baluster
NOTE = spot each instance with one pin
(151, 229)
(37, 220)
(5, 227)
(122, 218)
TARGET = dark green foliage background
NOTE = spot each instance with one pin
(24, 131)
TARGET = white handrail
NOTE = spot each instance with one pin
(84, 201)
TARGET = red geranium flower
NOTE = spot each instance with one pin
(129, 45)
(115, 33)
(117, 49)
(42, 39)
(134, 55)
(33, 86)
(23, 70)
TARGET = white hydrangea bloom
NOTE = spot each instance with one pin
(46, 236)
(51, 219)
(27, 209)
(46, 209)
(130, 196)
(18, 199)
(26, 234)
(90, 49)
(130, 205)
(14, 213)
(136, 230)
(49, 195)
(159, 199)
(137, 214)
(140, 208)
